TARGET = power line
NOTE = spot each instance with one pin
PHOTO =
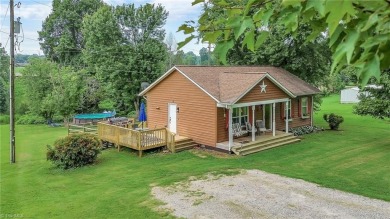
(24, 37)
(4, 18)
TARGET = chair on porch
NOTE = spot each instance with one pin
(237, 131)
(262, 127)
(249, 127)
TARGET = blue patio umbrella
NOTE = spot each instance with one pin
(142, 114)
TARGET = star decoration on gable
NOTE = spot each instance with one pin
(262, 87)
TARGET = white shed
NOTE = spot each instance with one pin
(350, 95)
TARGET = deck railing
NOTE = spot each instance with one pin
(171, 141)
(136, 139)
(82, 128)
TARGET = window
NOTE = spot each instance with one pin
(304, 107)
(240, 115)
(287, 110)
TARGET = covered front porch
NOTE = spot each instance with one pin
(253, 126)
(247, 139)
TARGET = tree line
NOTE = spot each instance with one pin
(97, 55)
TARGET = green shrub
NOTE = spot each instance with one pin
(303, 130)
(74, 151)
(333, 120)
(28, 119)
(4, 119)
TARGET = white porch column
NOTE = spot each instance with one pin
(253, 123)
(286, 116)
(230, 128)
(273, 119)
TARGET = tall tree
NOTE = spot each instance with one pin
(308, 60)
(358, 30)
(170, 41)
(61, 37)
(125, 46)
(51, 89)
(4, 78)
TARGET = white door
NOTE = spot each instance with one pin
(172, 117)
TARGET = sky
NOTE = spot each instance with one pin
(34, 12)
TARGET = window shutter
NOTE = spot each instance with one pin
(227, 118)
(282, 111)
(250, 114)
(299, 108)
(309, 106)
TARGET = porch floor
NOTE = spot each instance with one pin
(259, 138)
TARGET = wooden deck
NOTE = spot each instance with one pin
(138, 139)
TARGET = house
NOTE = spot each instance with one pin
(204, 102)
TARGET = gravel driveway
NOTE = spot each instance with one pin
(257, 194)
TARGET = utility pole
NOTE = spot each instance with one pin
(12, 84)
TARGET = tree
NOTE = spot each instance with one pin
(204, 56)
(124, 47)
(358, 30)
(51, 89)
(190, 58)
(308, 60)
(61, 37)
(170, 41)
(4, 78)
(375, 100)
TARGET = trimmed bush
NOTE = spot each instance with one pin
(74, 151)
(333, 120)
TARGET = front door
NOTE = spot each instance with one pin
(172, 117)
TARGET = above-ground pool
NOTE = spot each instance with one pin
(92, 117)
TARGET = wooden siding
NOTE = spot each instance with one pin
(222, 132)
(272, 92)
(297, 121)
(197, 116)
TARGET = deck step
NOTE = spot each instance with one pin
(185, 144)
(254, 147)
(254, 150)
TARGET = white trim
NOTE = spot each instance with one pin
(169, 114)
(273, 120)
(281, 86)
(168, 73)
(157, 81)
(272, 80)
(250, 88)
(253, 123)
(260, 102)
(230, 128)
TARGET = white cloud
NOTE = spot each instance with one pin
(33, 11)
(180, 11)
(30, 11)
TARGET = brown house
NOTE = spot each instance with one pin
(214, 104)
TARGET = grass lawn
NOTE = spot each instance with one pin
(354, 159)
